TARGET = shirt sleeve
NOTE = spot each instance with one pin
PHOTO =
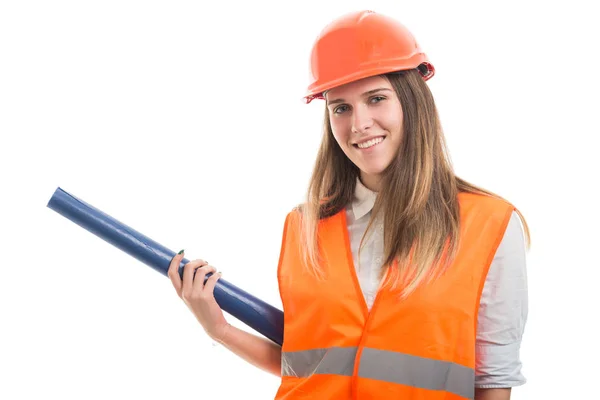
(503, 313)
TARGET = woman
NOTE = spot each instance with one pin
(416, 286)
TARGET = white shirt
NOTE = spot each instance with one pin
(503, 305)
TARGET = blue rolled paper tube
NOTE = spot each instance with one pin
(255, 313)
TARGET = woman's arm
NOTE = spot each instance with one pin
(256, 350)
(492, 394)
(502, 316)
(200, 299)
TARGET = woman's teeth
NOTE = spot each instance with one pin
(369, 143)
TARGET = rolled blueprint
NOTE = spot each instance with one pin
(255, 313)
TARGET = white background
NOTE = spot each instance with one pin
(185, 122)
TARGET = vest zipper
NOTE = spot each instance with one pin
(368, 314)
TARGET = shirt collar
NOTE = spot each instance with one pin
(364, 199)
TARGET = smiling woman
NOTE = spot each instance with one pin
(418, 275)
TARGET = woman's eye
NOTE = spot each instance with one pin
(340, 109)
(377, 99)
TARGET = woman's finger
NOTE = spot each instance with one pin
(173, 272)
(209, 287)
(200, 275)
(188, 275)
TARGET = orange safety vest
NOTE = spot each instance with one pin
(420, 348)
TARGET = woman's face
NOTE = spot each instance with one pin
(366, 120)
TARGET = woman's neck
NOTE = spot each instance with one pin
(371, 182)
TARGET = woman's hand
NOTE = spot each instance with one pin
(198, 296)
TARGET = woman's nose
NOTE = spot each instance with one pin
(362, 119)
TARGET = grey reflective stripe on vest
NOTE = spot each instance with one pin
(382, 365)
(420, 372)
(335, 360)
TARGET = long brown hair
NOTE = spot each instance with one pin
(418, 197)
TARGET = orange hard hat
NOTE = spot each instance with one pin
(359, 45)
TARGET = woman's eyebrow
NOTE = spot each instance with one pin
(367, 93)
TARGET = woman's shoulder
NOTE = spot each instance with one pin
(484, 201)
